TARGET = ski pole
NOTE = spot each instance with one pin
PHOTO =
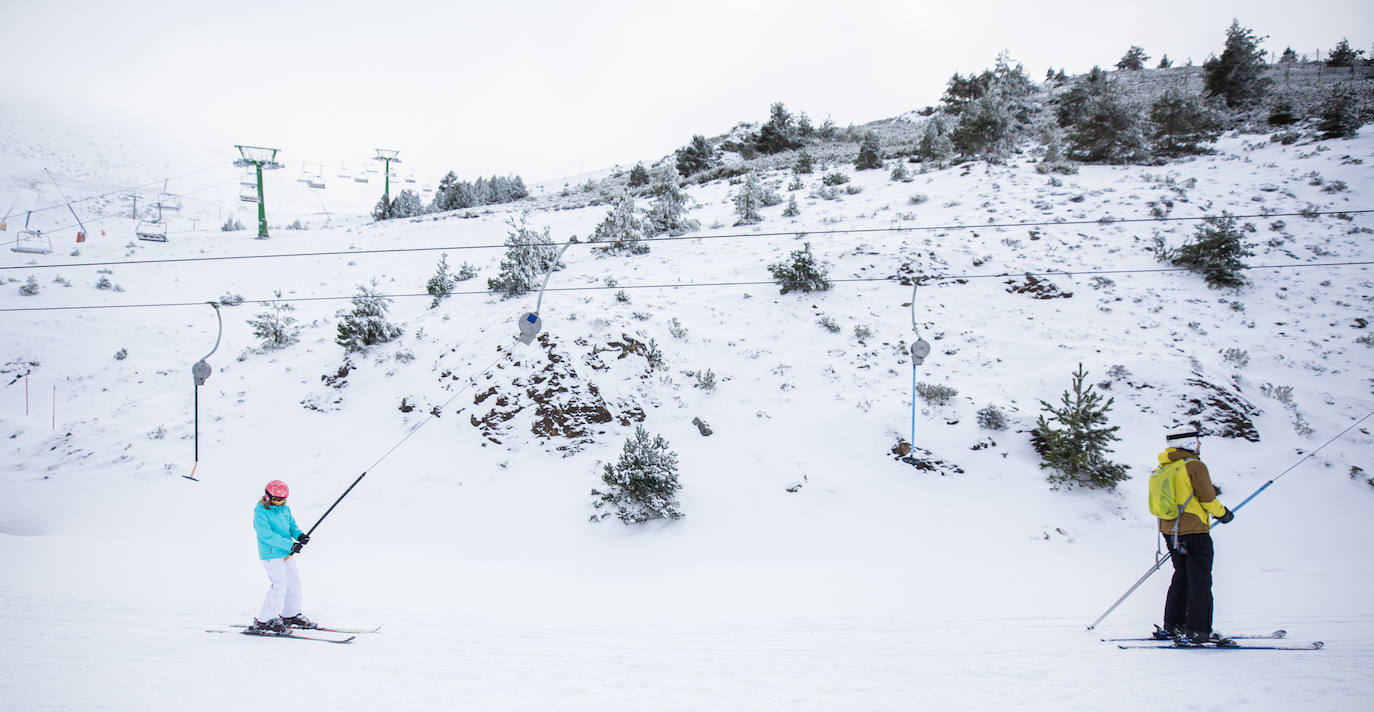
(1159, 563)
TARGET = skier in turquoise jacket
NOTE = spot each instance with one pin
(279, 539)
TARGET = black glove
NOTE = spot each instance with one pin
(296, 548)
(1226, 517)
(303, 539)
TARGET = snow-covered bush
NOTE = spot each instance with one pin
(1340, 113)
(1134, 59)
(936, 393)
(779, 134)
(870, 153)
(1073, 441)
(276, 327)
(667, 212)
(366, 324)
(639, 175)
(441, 284)
(233, 224)
(29, 288)
(935, 146)
(749, 199)
(642, 485)
(992, 418)
(1180, 124)
(529, 256)
(791, 211)
(1216, 251)
(697, 156)
(805, 163)
(801, 273)
(622, 230)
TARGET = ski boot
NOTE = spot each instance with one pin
(1168, 632)
(299, 621)
(1198, 639)
(272, 626)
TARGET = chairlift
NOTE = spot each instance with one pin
(32, 241)
(249, 194)
(427, 188)
(410, 178)
(305, 176)
(151, 230)
(344, 173)
(360, 177)
(249, 178)
(170, 201)
(317, 180)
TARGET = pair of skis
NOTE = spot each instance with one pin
(302, 633)
(1178, 644)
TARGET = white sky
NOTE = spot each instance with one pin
(549, 89)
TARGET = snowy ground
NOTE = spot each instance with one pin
(873, 586)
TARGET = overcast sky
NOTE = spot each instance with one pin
(549, 89)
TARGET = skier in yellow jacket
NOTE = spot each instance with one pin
(1188, 607)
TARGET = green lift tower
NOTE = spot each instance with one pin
(259, 158)
(387, 157)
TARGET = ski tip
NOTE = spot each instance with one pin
(188, 477)
(1280, 633)
(1318, 645)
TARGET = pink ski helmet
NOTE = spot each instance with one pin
(278, 489)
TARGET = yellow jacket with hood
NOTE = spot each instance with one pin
(1199, 484)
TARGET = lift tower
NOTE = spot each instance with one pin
(259, 158)
(387, 157)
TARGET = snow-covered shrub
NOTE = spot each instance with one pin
(870, 153)
(791, 211)
(639, 175)
(642, 485)
(622, 230)
(829, 323)
(1134, 59)
(1109, 131)
(276, 327)
(779, 134)
(529, 256)
(801, 273)
(29, 288)
(1340, 113)
(367, 323)
(862, 333)
(900, 173)
(667, 212)
(1073, 441)
(804, 164)
(104, 283)
(836, 178)
(233, 224)
(706, 380)
(992, 418)
(231, 300)
(749, 199)
(935, 146)
(936, 393)
(697, 156)
(1180, 124)
(441, 284)
(1236, 357)
(121, 354)
(1216, 251)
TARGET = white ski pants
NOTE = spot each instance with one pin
(284, 595)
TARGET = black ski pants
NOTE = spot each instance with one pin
(1189, 603)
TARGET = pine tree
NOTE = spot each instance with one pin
(791, 211)
(1073, 441)
(1180, 123)
(805, 163)
(442, 283)
(935, 146)
(642, 485)
(870, 153)
(801, 274)
(779, 133)
(639, 175)
(1134, 59)
(276, 327)
(667, 212)
(1216, 251)
(1343, 55)
(749, 200)
(1289, 56)
(1340, 113)
(1237, 76)
(622, 230)
(529, 256)
(1165, 62)
(367, 324)
(1110, 131)
(697, 156)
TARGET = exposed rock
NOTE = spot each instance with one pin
(702, 427)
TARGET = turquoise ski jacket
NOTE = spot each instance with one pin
(276, 529)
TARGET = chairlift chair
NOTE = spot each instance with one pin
(360, 177)
(249, 194)
(343, 172)
(249, 178)
(427, 188)
(151, 230)
(169, 201)
(32, 241)
(410, 178)
(317, 180)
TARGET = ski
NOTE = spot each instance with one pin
(378, 629)
(289, 634)
(1318, 645)
(1280, 633)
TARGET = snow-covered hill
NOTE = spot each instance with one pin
(813, 568)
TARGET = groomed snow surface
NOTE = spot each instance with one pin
(872, 586)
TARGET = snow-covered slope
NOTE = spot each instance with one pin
(813, 569)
